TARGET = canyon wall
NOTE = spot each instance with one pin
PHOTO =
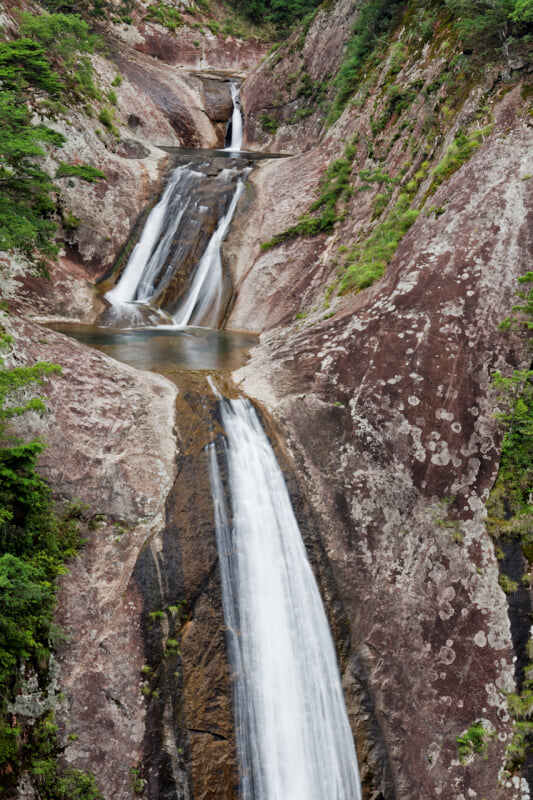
(380, 401)
(383, 397)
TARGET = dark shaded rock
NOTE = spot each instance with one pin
(189, 745)
(131, 148)
(217, 98)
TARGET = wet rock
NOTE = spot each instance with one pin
(217, 97)
(189, 744)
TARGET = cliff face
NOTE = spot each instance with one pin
(380, 400)
(383, 397)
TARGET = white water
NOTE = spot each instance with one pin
(201, 303)
(236, 120)
(149, 254)
(151, 265)
(293, 736)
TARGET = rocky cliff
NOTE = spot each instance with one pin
(383, 397)
(379, 397)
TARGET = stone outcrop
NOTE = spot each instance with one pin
(285, 98)
(109, 431)
(383, 400)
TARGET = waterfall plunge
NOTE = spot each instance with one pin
(236, 120)
(293, 737)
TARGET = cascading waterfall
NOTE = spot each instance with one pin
(201, 303)
(235, 126)
(154, 259)
(139, 279)
(293, 737)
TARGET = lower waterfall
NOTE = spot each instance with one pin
(293, 737)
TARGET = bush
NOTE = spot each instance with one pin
(83, 171)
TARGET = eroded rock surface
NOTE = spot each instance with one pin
(109, 430)
(284, 97)
(388, 414)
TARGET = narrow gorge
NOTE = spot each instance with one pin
(286, 245)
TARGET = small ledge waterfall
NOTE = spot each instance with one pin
(293, 737)
(201, 304)
(160, 250)
(234, 133)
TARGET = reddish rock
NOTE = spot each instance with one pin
(387, 411)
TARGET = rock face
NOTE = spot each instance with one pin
(380, 400)
(189, 741)
(384, 403)
(284, 98)
(109, 430)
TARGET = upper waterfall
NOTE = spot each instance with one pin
(235, 127)
(293, 737)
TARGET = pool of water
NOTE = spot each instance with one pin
(167, 350)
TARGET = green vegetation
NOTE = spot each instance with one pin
(34, 544)
(335, 188)
(520, 706)
(484, 22)
(509, 508)
(460, 150)
(376, 252)
(67, 40)
(26, 206)
(474, 740)
(280, 13)
(51, 58)
(165, 15)
(269, 123)
(376, 19)
(83, 171)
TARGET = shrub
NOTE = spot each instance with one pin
(83, 171)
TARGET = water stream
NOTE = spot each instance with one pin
(293, 737)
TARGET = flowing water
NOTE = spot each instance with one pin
(235, 126)
(201, 304)
(293, 737)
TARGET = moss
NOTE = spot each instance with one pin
(373, 256)
(472, 741)
(335, 188)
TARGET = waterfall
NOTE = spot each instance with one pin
(235, 126)
(157, 255)
(293, 737)
(144, 267)
(200, 305)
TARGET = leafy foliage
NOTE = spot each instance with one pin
(34, 543)
(372, 257)
(474, 740)
(375, 20)
(83, 171)
(482, 21)
(510, 508)
(281, 13)
(165, 15)
(51, 42)
(335, 187)
(26, 207)
(65, 37)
